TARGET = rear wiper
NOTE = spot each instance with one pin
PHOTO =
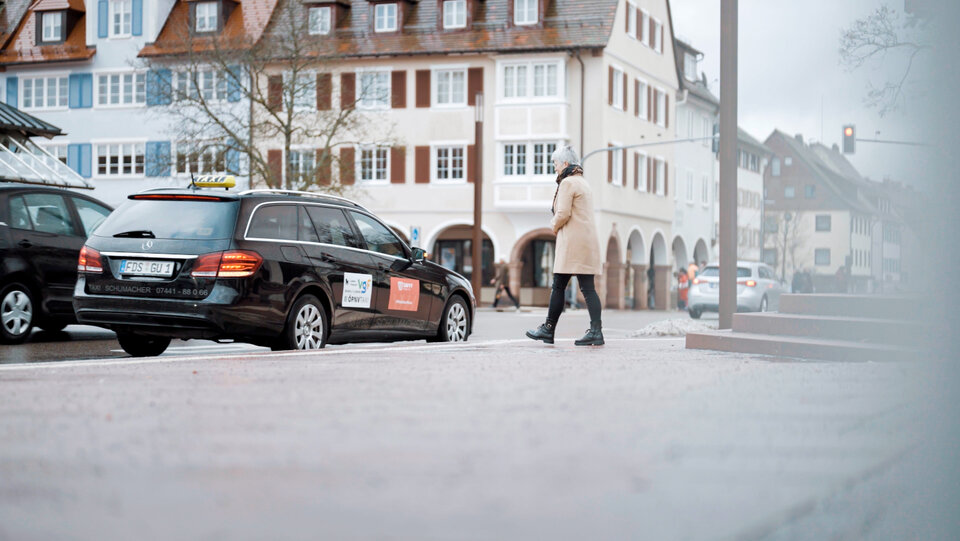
(137, 234)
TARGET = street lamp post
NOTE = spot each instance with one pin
(728, 162)
(476, 278)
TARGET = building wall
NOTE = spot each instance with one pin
(694, 211)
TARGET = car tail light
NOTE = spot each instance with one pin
(749, 283)
(697, 281)
(89, 261)
(231, 264)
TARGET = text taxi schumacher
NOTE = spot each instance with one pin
(288, 270)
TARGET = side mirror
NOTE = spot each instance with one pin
(418, 255)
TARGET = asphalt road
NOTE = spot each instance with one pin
(494, 439)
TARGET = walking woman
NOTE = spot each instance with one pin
(578, 251)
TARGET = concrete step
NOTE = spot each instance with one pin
(851, 329)
(795, 346)
(864, 306)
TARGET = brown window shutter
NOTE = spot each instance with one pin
(623, 168)
(636, 171)
(471, 164)
(666, 180)
(653, 33)
(348, 90)
(324, 175)
(324, 91)
(423, 88)
(626, 92)
(636, 98)
(398, 89)
(275, 92)
(662, 32)
(275, 167)
(398, 165)
(666, 110)
(656, 106)
(639, 23)
(610, 86)
(474, 84)
(609, 164)
(348, 172)
(422, 164)
(650, 170)
(626, 17)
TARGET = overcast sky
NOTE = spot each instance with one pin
(789, 64)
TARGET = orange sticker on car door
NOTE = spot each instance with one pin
(404, 294)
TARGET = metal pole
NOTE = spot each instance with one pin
(728, 162)
(477, 278)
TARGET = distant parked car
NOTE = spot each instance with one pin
(41, 232)
(758, 289)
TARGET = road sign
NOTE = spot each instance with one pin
(415, 237)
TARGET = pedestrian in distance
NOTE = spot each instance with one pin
(651, 284)
(682, 290)
(578, 250)
(501, 285)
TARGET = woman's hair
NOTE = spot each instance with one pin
(566, 154)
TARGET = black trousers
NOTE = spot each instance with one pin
(560, 282)
(505, 289)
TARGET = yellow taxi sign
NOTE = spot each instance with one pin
(215, 181)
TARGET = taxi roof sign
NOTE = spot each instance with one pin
(215, 181)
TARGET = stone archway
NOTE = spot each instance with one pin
(613, 274)
(701, 254)
(659, 271)
(451, 247)
(403, 236)
(636, 279)
(531, 266)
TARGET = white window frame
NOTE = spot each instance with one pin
(319, 20)
(690, 123)
(458, 14)
(657, 36)
(707, 129)
(514, 154)
(690, 63)
(659, 178)
(449, 72)
(619, 168)
(62, 98)
(690, 198)
(642, 183)
(382, 16)
(120, 28)
(521, 16)
(58, 150)
(360, 149)
(705, 191)
(307, 97)
(546, 156)
(135, 92)
(660, 103)
(528, 80)
(644, 112)
(619, 100)
(644, 35)
(530, 160)
(203, 158)
(182, 84)
(56, 30)
(448, 146)
(362, 101)
(137, 144)
(301, 151)
(792, 190)
(207, 17)
(631, 20)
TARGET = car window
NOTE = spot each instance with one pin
(274, 222)
(332, 226)
(91, 214)
(742, 272)
(172, 219)
(765, 273)
(19, 218)
(306, 233)
(378, 237)
(49, 214)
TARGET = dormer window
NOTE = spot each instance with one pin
(121, 18)
(385, 18)
(52, 26)
(455, 13)
(690, 66)
(319, 20)
(525, 11)
(206, 17)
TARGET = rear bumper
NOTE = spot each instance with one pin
(748, 300)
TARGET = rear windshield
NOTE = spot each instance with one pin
(742, 272)
(187, 220)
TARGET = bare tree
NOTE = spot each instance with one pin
(231, 97)
(876, 38)
(785, 231)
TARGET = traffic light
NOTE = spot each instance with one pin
(715, 144)
(849, 139)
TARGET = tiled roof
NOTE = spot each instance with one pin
(13, 120)
(10, 16)
(242, 29)
(56, 5)
(21, 47)
(745, 137)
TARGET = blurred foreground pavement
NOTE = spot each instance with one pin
(641, 439)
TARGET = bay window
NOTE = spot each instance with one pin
(532, 80)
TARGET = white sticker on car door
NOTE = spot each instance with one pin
(357, 290)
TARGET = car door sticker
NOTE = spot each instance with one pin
(357, 290)
(404, 294)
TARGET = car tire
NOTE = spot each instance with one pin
(455, 323)
(17, 313)
(306, 327)
(695, 313)
(138, 345)
(52, 326)
(763, 304)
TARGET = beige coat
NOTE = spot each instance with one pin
(578, 250)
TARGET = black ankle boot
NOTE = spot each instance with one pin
(544, 332)
(594, 336)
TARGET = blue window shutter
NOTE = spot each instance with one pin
(73, 157)
(137, 14)
(86, 89)
(157, 159)
(86, 159)
(13, 89)
(75, 84)
(103, 18)
(233, 161)
(159, 87)
(233, 88)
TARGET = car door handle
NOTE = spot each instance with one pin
(25, 243)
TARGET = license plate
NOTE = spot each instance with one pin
(135, 267)
(713, 285)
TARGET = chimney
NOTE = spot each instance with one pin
(836, 148)
(799, 137)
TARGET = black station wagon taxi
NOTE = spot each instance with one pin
(283, 269)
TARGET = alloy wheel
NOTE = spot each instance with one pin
(456, 323)
(308, 329)
(16, 312)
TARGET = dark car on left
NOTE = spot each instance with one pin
(42, 230)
